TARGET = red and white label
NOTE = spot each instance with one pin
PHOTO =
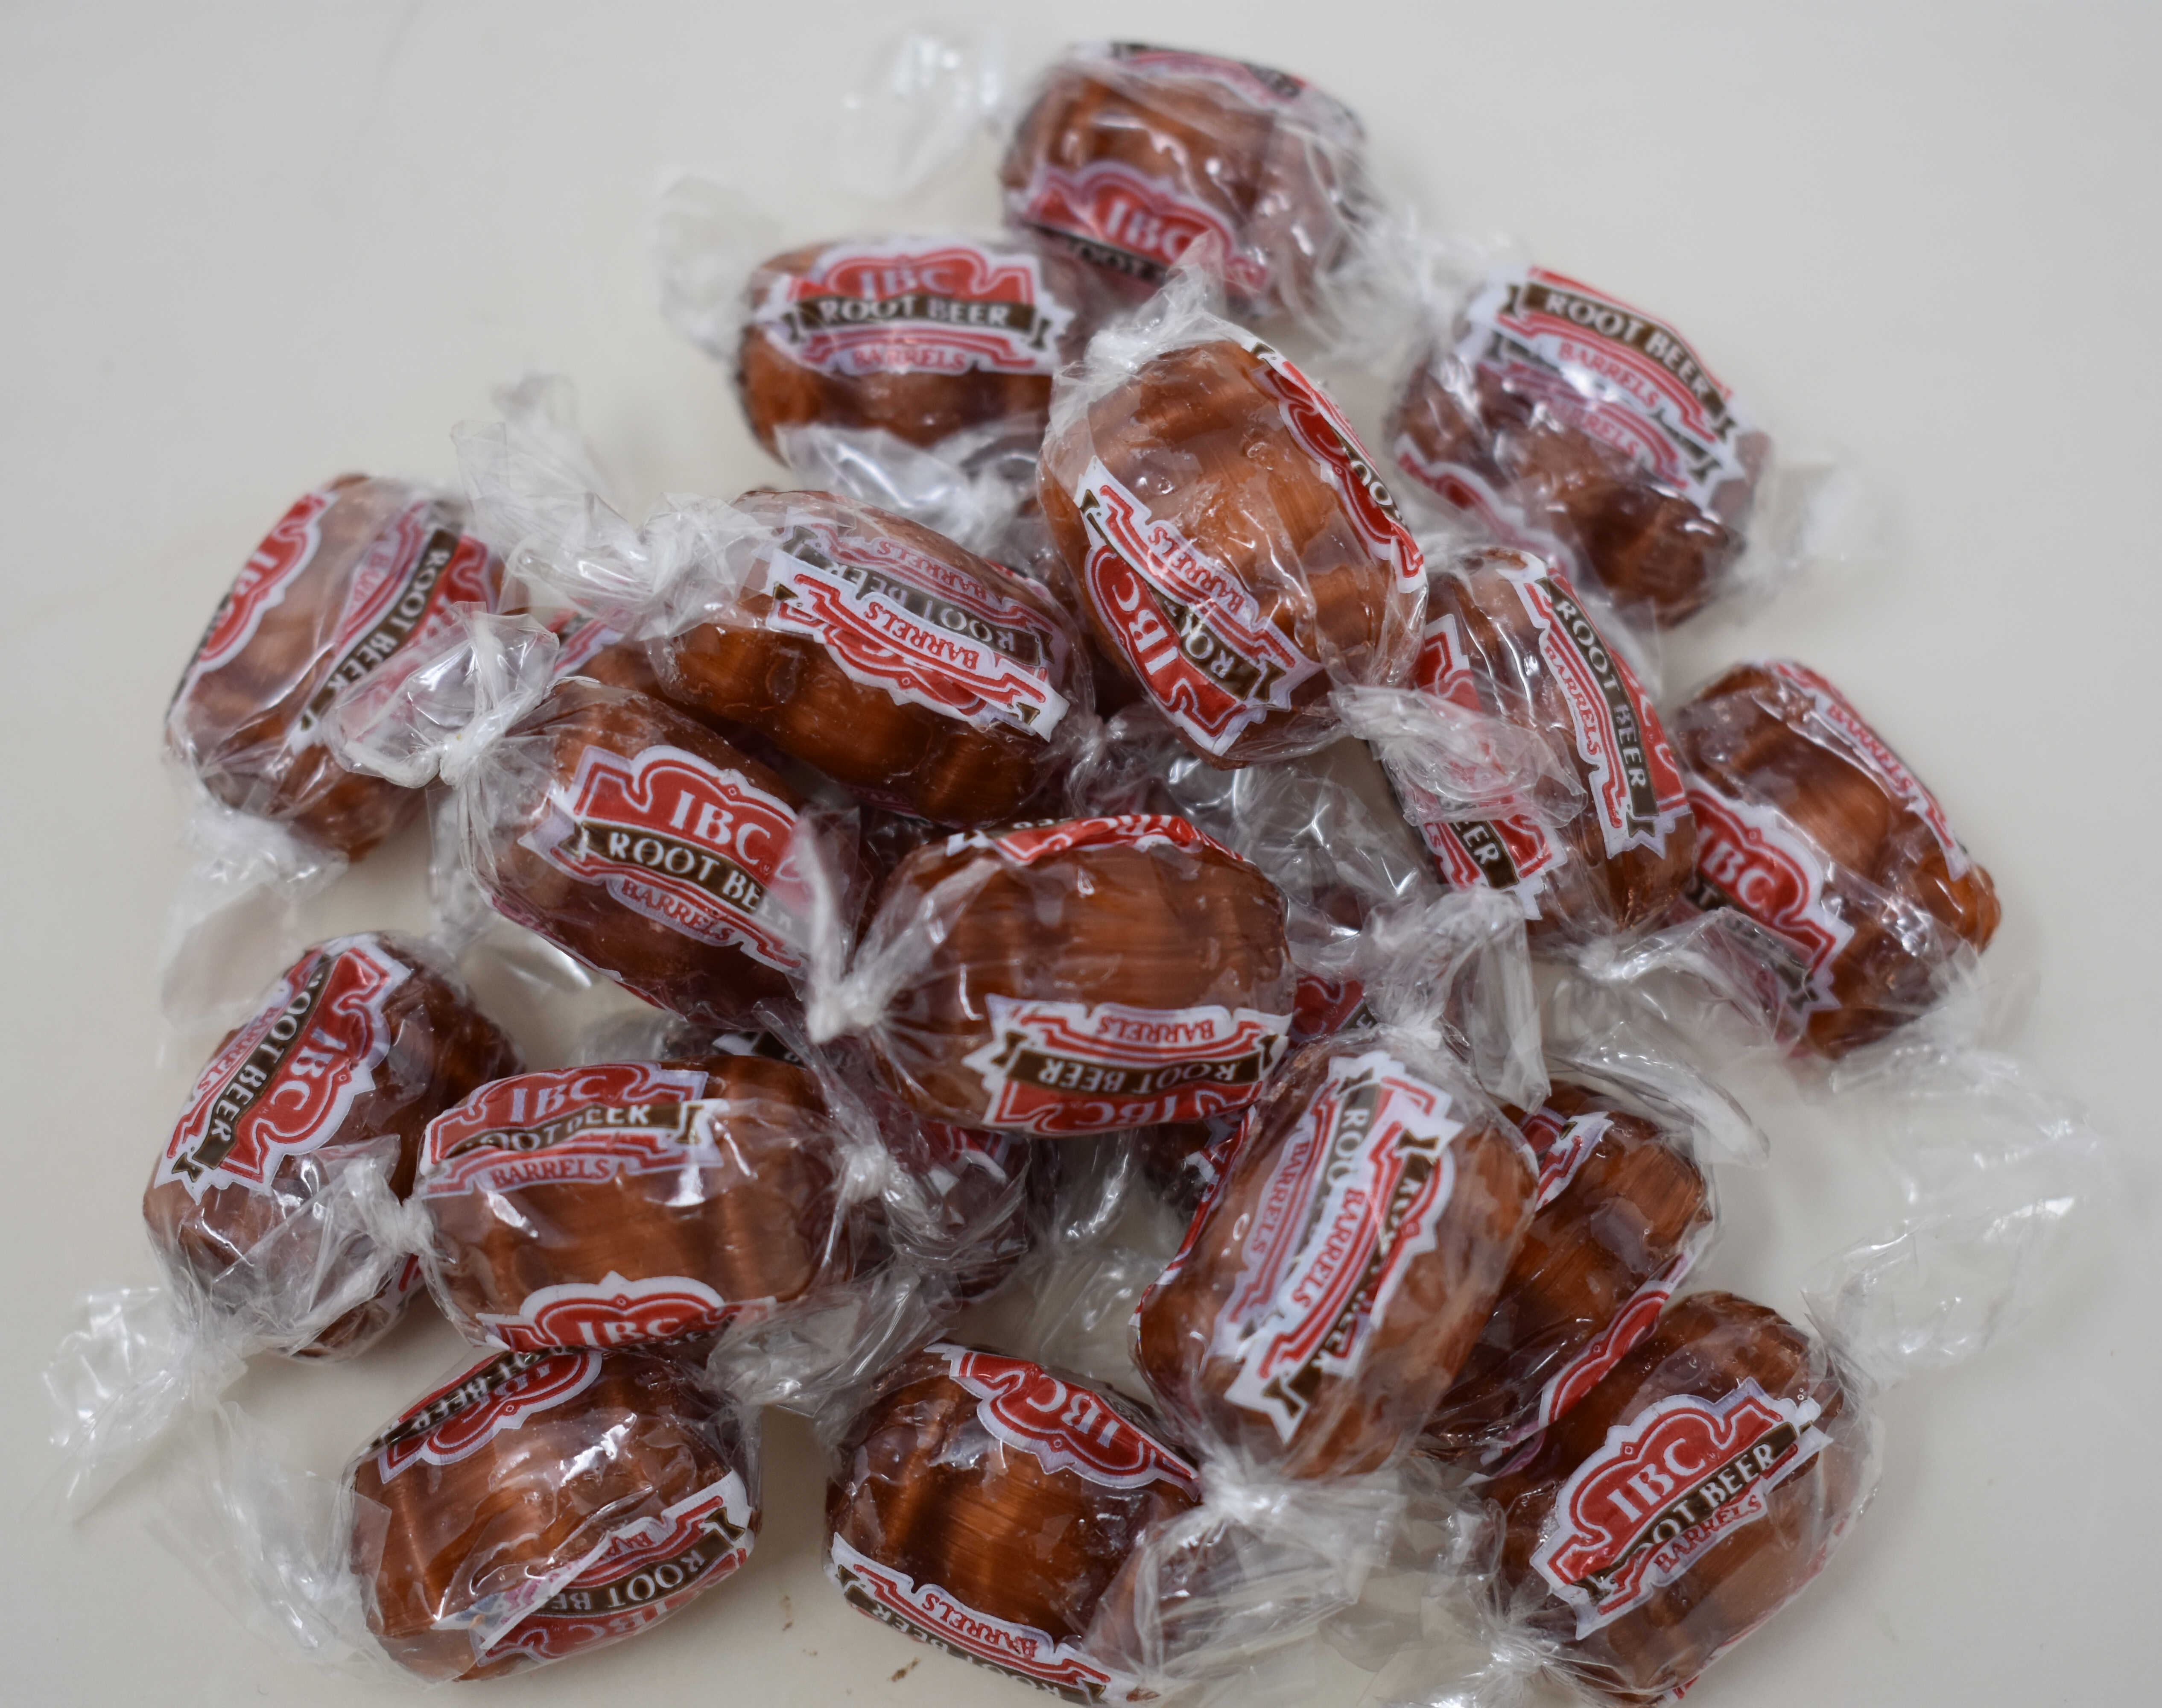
(1116, 217)
(1326, 435)
(405, 590)
(565, 1125)
(1195, 636)
(1837, 721)
(930, 1615)
(1561, 1146)
(1061, 1426)
(1609, 371)
(640, 1574)
(1354, 1196)
(677, 839)
(1664, 1489)
(1031, 842)
(917, 306)
(464, 1415)
(271, 568)
(613, 1312)
(1754, 857)
(284, 1083)
(928, 634)
(1062, 1069)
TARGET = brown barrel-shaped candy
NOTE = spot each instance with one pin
(1684, 1500)
(922, 337)
(987, 1505)
(637, 838)
(1508, 637)
(1336, 1278)
(1555, 414)
(1129, 154)
(354, 572)
(633, 1201)
(348, 1056)
(922, 676)
(625, 1465)
(1236, 549)
(1622, 1212)
(1809, 823)
(1091, 975)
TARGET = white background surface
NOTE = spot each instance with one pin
(249, 246)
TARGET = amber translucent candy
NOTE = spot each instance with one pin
(533, 1500)
(920, 408)
(921, 1485)
(755, 1227)
(900, 754)
(1632, 1205)
(1156, 927)
(1652, 548)
(441, 1048)
(1705, 1345)
(1591, 893)
(1197, 437)
(232, 727)
(717, 985)
(1356, 1421)
(1747, 733)
(1283, 194)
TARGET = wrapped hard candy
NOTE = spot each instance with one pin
(1623, 1213)
(547, 1503)
(988, 1505)
(1128, 155)
(1687, 1498)
(1508, 638)
(1235, 548)
(625, 1201)
(923, 338)
(1810, 825)
(347, 1057)
(1556, 417)
(354, 573)
(1336, 1276)
(1075, 977)
(641, 841)
(922, 677)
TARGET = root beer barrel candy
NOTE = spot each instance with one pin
(1236, 550)
(1622, 1214)
(1554, 413)
(548, 1502)
(1336, 1277)
(638, 839)
(1507, 636)
(1078, 977)
(355, 571)
(914, 672)
(922, 337)
(986, 1505)
(632, 1201)
(1129, 154)
(1809, 824)
(1683, 1501)
(348, 1056)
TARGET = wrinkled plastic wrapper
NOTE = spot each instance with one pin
(1236, 550)
(1529, 756)
(1015, 1516)
(536, 1505)
(1063, 980)
(911, 370)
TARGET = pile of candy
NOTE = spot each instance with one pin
(1091, 807)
